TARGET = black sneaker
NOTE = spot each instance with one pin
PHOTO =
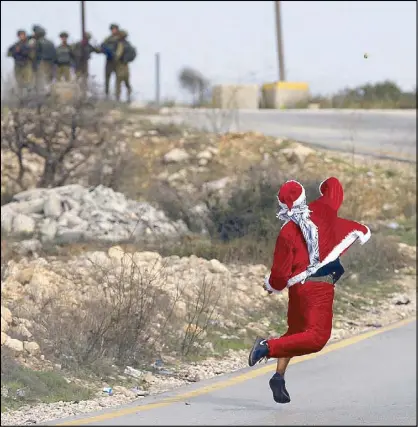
(278, 387)
(259, 351)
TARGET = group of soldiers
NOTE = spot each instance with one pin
(39, 62)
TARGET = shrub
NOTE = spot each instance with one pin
(126, 319)
(51, 142)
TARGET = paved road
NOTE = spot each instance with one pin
(383, 133)
(365, 380)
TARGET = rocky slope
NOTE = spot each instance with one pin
(167, 373)
(195, 164)
(176, 169)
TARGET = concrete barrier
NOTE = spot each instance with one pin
(236, 97)
(279, 95)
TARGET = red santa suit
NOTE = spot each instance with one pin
(313, 236)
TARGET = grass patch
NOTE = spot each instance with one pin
(221, 346)
(21, 386)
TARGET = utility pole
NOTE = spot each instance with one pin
(280, 53)
(83, 46)
(157, 79)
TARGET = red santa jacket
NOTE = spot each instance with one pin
(335, 236)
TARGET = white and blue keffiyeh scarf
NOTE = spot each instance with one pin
(300, 215)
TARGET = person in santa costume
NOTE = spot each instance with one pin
(307, 262)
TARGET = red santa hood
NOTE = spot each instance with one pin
(327, 236)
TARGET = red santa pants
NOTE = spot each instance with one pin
(309, 319)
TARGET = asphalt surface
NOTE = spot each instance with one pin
(382, 133)
(365, 380)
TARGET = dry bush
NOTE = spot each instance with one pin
(50, 142)
(200, 313)
(127, 317)
(378, 259)
(115, 321)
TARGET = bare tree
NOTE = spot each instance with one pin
(195, 83)
(69, 140)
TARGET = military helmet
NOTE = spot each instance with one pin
(64, 34)
(114, 26)
(19, 32)
(123, 33)
(37, 28)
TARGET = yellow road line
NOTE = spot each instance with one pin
(232, 381)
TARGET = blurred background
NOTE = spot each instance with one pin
(231, 42)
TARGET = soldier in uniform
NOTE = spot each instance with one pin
(122, 66)
(83, 47)
(109, 49)
(64, 59)
(45, 57)
(23, 54)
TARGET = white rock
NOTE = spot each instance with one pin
(4, 325)
(207, 155)
(30, 206)
(14, 344)
(48, 230)
(297, 153)
(7, 216)
(132, 372)
(146, 256)
(6, 314)
(28, 246)
(31, 347)
(52, 206)
(217, 267)
(217, 185)
(176, 155)
(3, 338)
(116, 252)
(23, 224)
(35, 193)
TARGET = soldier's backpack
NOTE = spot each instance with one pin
(129, 52)
(45, 50)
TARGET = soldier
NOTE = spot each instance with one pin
(109, 49)
(125, 53)
(45, 56)
(83, 47)
(64, 59)
(23, 55)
